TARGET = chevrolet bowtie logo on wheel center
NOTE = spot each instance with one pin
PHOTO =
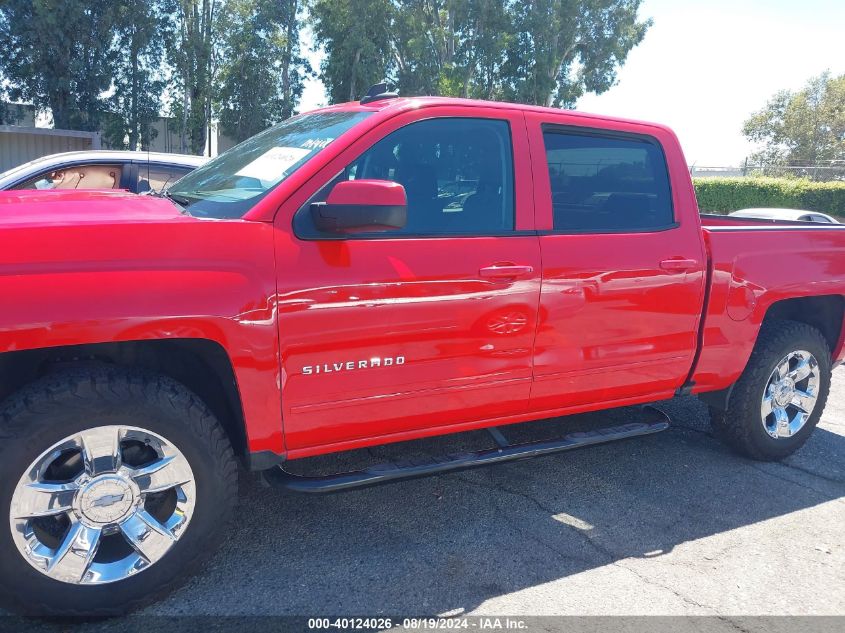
(105, 500)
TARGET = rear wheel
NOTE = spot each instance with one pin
(781, 395)
(115, 484)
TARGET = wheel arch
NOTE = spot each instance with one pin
(202, 365)
(825, 313)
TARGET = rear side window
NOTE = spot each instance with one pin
(76, 177)
(607, 184)
(457, 174)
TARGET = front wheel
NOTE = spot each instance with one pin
(780, 397)
(115, 485)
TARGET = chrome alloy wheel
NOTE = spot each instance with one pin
(790, 395)
(102, 505)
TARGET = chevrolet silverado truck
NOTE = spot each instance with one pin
(367, 273)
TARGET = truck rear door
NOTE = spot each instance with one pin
(389, 333)
(623, 262)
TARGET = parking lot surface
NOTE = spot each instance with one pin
(669, 524)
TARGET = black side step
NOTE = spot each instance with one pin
(382, 473)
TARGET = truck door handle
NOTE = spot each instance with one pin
(505, 271)
(679, 265)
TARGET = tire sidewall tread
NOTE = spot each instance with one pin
(71, 400)
(740, 425)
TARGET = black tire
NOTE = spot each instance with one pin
(73, 400)
(740, 426)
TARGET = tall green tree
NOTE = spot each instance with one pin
(57, 55)
(192, 56)
(485, 35)
(261, 69)
(803, 127)
(9, 113)
(565, 48)
(141, 29)
(546, 52)
(357, 39)
(450, 47)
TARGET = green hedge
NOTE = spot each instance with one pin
(722, 195)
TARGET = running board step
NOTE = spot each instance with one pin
(505, 452)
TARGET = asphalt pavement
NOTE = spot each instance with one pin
(671, 524)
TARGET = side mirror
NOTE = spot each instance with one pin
(357, 206)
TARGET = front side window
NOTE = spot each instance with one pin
(457, 174)
(231, 184)
(76, 177)
(607, 183)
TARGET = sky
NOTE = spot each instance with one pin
(706, 65)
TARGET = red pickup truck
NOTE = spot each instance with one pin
(368, 273)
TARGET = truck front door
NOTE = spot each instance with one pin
(387, 333)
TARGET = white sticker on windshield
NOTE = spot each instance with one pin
(272, 164)
(317, 143)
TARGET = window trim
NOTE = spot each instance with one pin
(577, 130)
(395, 235)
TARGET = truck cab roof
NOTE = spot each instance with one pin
(401, 104)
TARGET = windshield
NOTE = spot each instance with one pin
(232, 183)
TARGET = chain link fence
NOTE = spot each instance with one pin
(822, 171)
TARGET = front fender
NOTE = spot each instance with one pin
(106, 283)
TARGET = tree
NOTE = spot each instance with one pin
(356, 37)
(450, 47)
(486, 35)
(141, 29)
(546, 52)
(261, 70)
(294, 67)
(565, 48)
(801, 128)
(57, 55)
(10, 113)
(192, 57)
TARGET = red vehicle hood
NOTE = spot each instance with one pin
(76, 207)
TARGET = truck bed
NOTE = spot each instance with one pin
(753, 264)
(709, 220)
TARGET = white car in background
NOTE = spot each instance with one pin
(137, 172)
(794, 215)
